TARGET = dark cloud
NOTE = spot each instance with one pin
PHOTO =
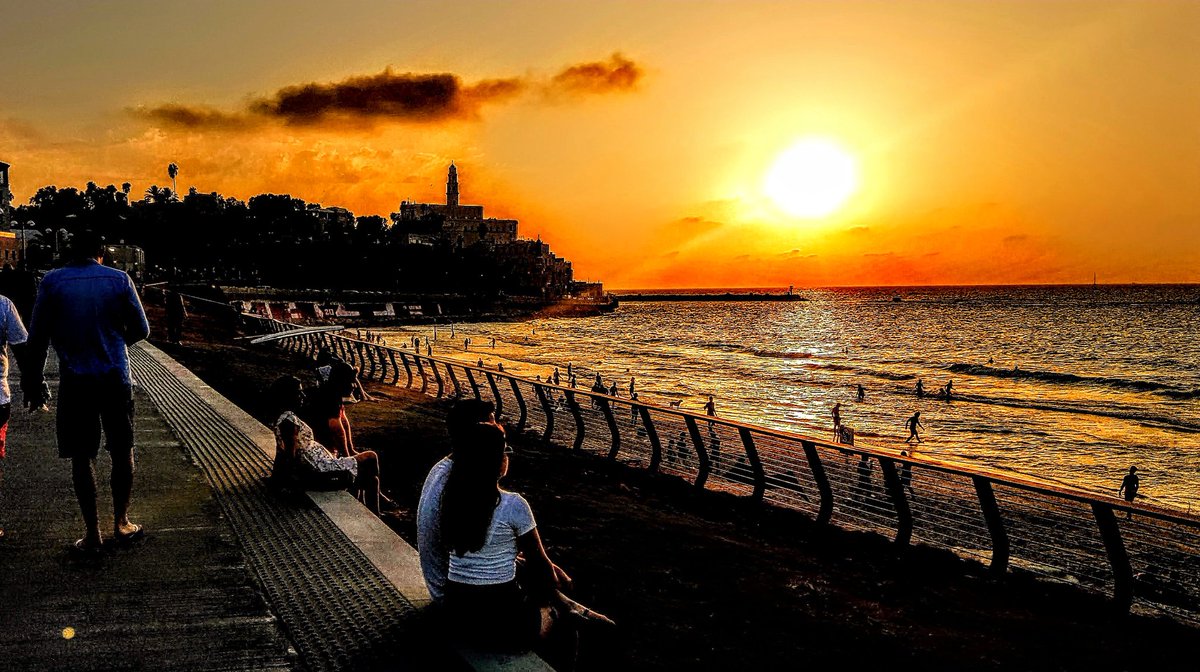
(193, 116)
(387, 95)
(617, 74)
(392, 96)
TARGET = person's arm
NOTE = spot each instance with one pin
(14, 329)
(289, 444)
(137, 328)
(33, 382)
(538, 567)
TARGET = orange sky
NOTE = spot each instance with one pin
(998, 142)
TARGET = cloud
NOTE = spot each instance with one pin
(386, 96)
(192, 116)
(389, 97)
(617, 74)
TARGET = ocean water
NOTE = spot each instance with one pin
(1072, 384)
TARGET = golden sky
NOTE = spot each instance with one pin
(996, 142)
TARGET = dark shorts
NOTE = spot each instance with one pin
(85, 405)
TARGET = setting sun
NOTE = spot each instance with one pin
(812, 178)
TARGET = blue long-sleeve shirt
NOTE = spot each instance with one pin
(89, 313)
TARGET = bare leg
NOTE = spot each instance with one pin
(122, 492)
(368, 478)
(83, 475)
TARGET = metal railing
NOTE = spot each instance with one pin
(1008, 522)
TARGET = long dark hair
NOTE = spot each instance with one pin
(285, 394)
(472, 492)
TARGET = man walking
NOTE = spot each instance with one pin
(90, 313)
(912, 424)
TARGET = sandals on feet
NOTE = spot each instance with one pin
(85, 548)
(138, 532)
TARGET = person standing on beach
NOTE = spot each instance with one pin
(1129, 488)
(862, 392)
(912, 424)
(710, 409)
(837, 421)
(90, 314)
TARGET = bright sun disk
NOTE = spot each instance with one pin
(812, 178)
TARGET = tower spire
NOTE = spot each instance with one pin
(452, 186)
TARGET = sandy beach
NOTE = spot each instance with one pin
(700, 580)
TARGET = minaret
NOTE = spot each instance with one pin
(452, 187)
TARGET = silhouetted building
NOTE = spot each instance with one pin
(5, 198)
(458, 225)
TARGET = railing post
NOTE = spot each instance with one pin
(454, 379)
(520, 404)
(421, 372)
(495, 393)
(407, 369)
(547, 409)
(474, 385)
(995, 524)
(613, 432)
(652, 435)
(825, 513)
(381, 352)
(371, 356)
(1117, 557)
(441, 391)
(701, 451)
(904, 519)
(573, 404)
(391, 352)
(760, 477)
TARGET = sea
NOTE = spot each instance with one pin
(1068, 384)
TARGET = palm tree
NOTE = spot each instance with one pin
(172, 171)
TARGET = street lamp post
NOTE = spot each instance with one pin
(25, 244)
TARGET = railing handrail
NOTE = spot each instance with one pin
(1056, 539)
(1005, 478)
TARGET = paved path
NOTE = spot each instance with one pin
(229, 576)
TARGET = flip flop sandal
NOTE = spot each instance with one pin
(139, 532)
(82, 547)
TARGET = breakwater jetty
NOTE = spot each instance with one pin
(726, 296)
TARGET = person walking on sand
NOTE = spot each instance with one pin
(837, 421)
(1129, 488)
(710, 409)
(912, 424)
(90, 314)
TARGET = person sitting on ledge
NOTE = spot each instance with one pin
(324, 365)
(486, 530)
(300, 461)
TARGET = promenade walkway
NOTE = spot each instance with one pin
(228, 577)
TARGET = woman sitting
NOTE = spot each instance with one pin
(301, 460)
(484, 529)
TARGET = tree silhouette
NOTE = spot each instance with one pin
(172, 171)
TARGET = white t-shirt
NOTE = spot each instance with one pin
(435, 560)
(14, 332)
(496, 562)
